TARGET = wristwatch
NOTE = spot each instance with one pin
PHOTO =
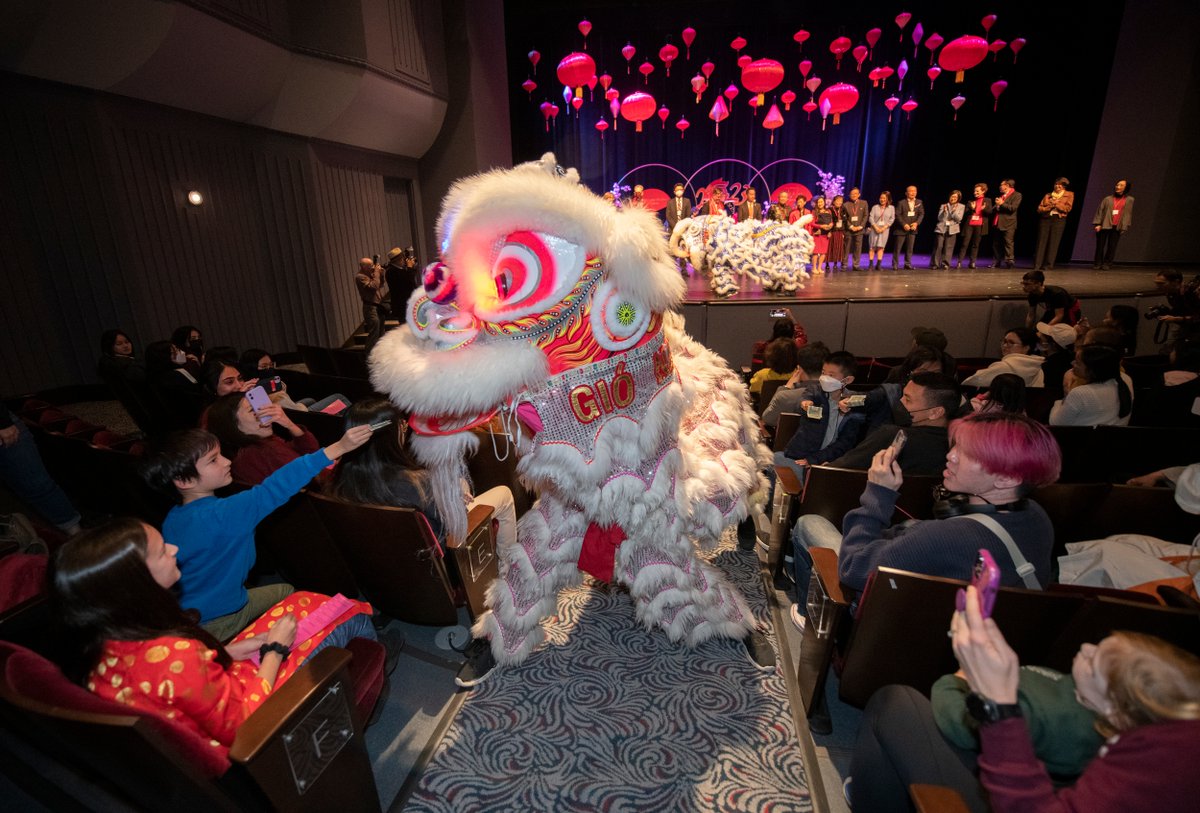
(279, 649)
(985, 710)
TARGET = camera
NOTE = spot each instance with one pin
(375, 259)
(1157, 311)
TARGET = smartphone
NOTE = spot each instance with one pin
(375, 427)
(778, 313)
(272, 385)
(898, 442)
(986, 579)
(258, 398)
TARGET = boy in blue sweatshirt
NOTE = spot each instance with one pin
(215, 535)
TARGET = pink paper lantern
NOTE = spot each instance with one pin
(628, 52)
(744, 60)
(637, 107)
(689, 36)
(719, 113)
(663, 113)
(933, 73)
(996, 46)
(787, 98)
(601, 125)
(529, 86)
(860, 55)
(890, 103)
(825, 106)
(534, 56)
(699, 85)
(668, 54)
(838, 47)
(812, 83)
(614, 107)
(805, 67)
(997, 88)
(545, 108)
(901, 71)
(987, 22)
(956, 103)
(963, 54)
(567, 95)
(908, 107)
(874, 77)
(917, 33)
(841, 98)
(645, 69)
(707, 69)
(932, 42)
(753, 102)
(801, 37)
(738, 44)
(575, 70)
(585, 28)
(884, 73)
(808, 107)
(1016, 46)
(773, 121)
(902, 20)
(873, 37)
(731, 92)
(591, 83)
(682, 126)
(762, 76)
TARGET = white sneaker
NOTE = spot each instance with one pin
(798, 619)
(846, 785)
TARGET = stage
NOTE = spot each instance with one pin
(871, 313)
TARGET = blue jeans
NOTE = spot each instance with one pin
(22, 470)
(356, 626)
(810, 531)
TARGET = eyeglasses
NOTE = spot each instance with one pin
(1007, 343)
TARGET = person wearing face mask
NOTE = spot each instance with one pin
(678, 208)
(995, 460)
(927, 404)
(166, 366)
(827, 430)
(190, 340)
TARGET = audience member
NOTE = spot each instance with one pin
(135, 644)
(1124, 318)
(221, 378)
(1060, 305)
(372, 289)
(1057, 345)
(190, 340)
(1016, 356)
(929, 399)
(257, 365)
(117, 360)
(995, 460)
(403, 276)
(1175, 401)
(827, 430)
(784, 327)
(215, 535)
(800, 387)
(382, 472)
(1183, 302)
(1096, 395)
(24, 474)
(249, 439)
(1006, 393)
(166, 367)
(882, 404)
(780, 359)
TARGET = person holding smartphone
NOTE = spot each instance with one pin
(258, 439)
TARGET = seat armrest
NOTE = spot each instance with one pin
(825, 564)
(475, 518)
(788, 481)
(936, 799)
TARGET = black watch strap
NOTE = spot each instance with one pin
(986, 710)
(277, 648)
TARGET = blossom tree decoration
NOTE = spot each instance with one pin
(831, 185)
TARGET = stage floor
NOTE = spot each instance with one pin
(924, 284)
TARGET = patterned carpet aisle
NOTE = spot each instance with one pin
(608, 716)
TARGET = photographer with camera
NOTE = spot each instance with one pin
(372, 288)
(403, 277)
(1182, 307)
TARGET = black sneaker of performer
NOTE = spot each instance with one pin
(762, 655)
(480, 663)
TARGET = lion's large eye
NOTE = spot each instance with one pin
(530, 272)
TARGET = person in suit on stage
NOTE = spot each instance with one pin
(1004, 224)
(1113, 218)
(715, 205)
(975, 224)
(856, 225)
(678, 207)
(750, 208)
(880, 220)
(1052, 218)
(909, 214)
(950, 215)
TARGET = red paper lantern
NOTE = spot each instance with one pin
(933, 73)
(529, 86)
(860, 55)
(805, 67)
(874, 77)
(762, 76)
(668, 54)
(902, 20)
(809, 107)
(1016, 46)
(591, 83)
(585, 28)
(689, 36)
(719, 113)
(699, 85)
(663, 113)
(884, 73)
(956, 103)
(801, 37)
(963, 54)
(787, 98)
(602, 125)
(612, 93)
(614, 107)
(534, 56)
(988, 21)
(628, 51)
(996, 47)
(918, 32)
(575, 70)
(738, 44)
(890, 103)
(577, 103)
(605, 81)
(841, 98)
(997, 88)
(932, 43)
(682, 126)
(873, 37)
(753, 102)
(908, 107)
(838, 47)
(645, 69)
(773, 121)
(707, 69)
(731, 92)
(637, 107)
(744, 60)
(545, 108)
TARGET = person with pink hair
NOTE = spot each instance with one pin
(995, 460)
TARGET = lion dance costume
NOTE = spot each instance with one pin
(548, 310)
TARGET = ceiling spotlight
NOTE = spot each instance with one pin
(195, 198)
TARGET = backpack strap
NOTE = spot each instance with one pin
(1024, 569)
